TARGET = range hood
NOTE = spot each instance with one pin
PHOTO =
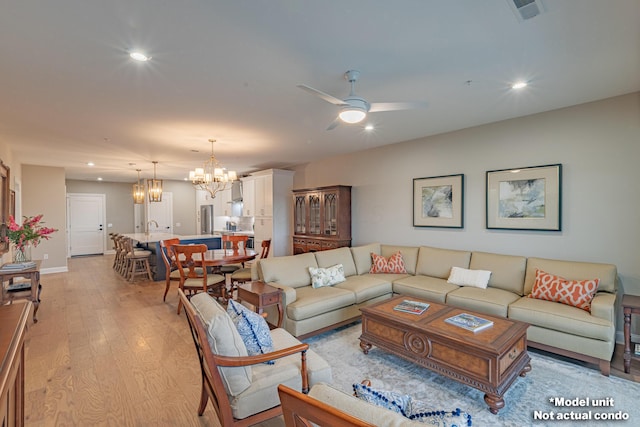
(236, 191)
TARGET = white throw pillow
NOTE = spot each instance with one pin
(464, 277)
(327, 276)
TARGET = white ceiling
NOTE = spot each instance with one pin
(229, 69)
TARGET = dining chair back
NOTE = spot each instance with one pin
(236, 243)
(247, 274)
(194, 277)
(172, 274)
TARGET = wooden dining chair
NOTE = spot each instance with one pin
(172, 274)
(193, 277)
(243, 275)
(237, 243)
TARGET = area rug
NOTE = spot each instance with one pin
(555, 393)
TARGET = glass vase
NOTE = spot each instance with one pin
(21, 254)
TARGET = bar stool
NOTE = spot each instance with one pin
(137, 261)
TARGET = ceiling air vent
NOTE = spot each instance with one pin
(526, 9)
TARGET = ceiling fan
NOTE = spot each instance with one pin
(353, 109)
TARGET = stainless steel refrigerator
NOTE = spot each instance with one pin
(206, 219)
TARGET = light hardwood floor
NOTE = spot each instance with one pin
(106, 352)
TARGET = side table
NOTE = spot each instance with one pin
(29, 292)
(630, 305)
(261, 295)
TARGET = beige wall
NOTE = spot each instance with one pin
(43, 192)
(119, 204)
(597, 143)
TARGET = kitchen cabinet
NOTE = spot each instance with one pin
(321, 218)
(222, 203)
(266, 195)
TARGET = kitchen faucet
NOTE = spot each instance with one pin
(153, 221)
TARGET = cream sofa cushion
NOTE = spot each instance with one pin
(436, 262)
(490, 300)
(572, 270)
(431, 288)
(561, 317)
(362, 256)
(332, 257)
(507, 271)
(263, 392)
(312, 302)
(366, 287)
(359, 408)
(409, 255)
(292, 270)
(224, 340)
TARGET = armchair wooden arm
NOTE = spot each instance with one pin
(300, 410)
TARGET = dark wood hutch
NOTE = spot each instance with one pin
(321, 218)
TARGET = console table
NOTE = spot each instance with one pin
(13, 319)
(31, 293)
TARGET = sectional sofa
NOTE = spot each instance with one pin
(555, 327)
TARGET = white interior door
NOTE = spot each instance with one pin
(85, 223)
(162, 213)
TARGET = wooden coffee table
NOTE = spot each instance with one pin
(489, 360)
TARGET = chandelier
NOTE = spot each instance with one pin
(212, 177)
(155, 186)
(138, 191)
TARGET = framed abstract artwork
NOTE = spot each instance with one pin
(527, 198)
(438, 201)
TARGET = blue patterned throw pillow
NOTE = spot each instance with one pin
(252, 327)
(396, 402)
(419, 412)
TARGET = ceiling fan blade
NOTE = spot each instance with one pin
(394, 106)
(325, 96)
(334, 123)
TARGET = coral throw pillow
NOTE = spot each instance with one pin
(577, 293)
(380, 264)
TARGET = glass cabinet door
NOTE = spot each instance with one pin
(300, 216)
(330, 214)
(314, 214)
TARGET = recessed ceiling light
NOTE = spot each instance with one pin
(99, 178)
(91, 164)
(519, 85)
(139, 56)
(369, 127)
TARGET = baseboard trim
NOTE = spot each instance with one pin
(54, 270)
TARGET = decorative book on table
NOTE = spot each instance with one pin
(469, 322)
(413, 307)
(17, 266)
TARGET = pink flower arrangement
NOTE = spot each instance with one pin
(29, 233)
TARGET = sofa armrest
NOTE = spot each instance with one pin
(288, 293)
(603, 306)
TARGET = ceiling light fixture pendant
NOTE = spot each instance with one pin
(138, 191)
(212, 177)
(154, 186)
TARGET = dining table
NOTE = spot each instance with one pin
(218, 257)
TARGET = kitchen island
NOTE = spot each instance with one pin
(151, 242)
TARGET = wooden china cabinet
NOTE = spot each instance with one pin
(321, 218)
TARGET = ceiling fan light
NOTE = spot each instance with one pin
(352, 115)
